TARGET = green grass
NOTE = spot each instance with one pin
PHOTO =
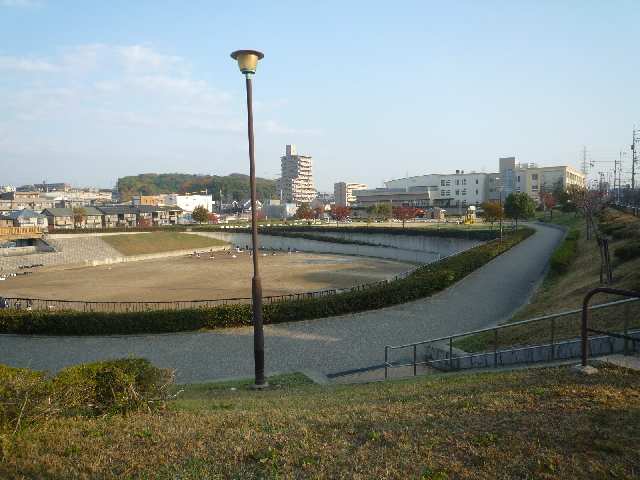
(565, 292)
(539, 423)
(157, 242)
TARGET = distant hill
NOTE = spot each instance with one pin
(234, 186)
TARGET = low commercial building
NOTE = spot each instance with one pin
(276, 210)
(343, 192)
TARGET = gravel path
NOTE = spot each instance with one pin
(485, 297)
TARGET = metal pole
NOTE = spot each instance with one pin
(386, 362)
(256, 283)
(553, 338)
(495, 348)
(414, 360)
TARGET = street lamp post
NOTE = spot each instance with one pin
(248, 61)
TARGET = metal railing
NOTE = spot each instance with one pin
(445, 345)
(26, 303)
(584, 324)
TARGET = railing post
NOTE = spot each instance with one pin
(414, 360)
(626, 329)
(584, 341)
(386, 361)
(495, 347)
(451, 354)
(553, 338)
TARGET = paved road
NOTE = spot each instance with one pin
(485, 297)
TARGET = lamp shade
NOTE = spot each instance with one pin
(247, 60)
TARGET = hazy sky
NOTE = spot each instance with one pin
(90, 91)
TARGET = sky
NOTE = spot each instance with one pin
(91, 91)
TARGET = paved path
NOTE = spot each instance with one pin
(483, 298)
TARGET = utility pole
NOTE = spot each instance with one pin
(585, 165)
(634, 156)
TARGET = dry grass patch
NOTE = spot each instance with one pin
(543, 423)
(157, 242)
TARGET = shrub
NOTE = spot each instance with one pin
(24, 397)
(423, 282)
(113, 386)
(566, 253)
(628, 251)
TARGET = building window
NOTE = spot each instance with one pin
(443, 193)
(457, 192)
(518, 178)
(464, 181)
(464, 191)
(442, 183)
(476, 191)
(457, 182)
(534, 176)
(477, 182)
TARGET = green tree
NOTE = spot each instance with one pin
(383, 211)
(492, 212)
(200, 214)
(519, 205)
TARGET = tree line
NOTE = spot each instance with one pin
(233, 187)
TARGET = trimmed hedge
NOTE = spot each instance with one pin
(423, 282)
(566, 253)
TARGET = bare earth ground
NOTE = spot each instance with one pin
(190, 278)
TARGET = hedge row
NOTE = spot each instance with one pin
(423, 282)
(566, 253)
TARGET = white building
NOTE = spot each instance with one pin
(458, 189)
(189, 202)
(343, 192)
(296, 180)
(534, 180)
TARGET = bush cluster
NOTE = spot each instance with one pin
(422, 282)
(628, 251)
(107, 387)
(566, 253)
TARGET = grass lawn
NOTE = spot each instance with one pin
(156, 242)
(539, 423)
(560, 293)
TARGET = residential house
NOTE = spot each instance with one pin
(59, 218)
(91, 218)
(119, 216)
(28, 218)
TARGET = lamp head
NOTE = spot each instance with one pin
(247, 60)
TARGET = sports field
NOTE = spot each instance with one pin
(191, 278)
(157, 242)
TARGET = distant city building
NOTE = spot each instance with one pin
(460, 190)
(16, 200)
(343, 192)
(534, 180)
(148, 200)
(296, 181)
(28, 218)
(7, 188)
(274, 210)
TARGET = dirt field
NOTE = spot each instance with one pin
(190, 278)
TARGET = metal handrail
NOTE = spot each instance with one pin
(495, 330)
(584, 330)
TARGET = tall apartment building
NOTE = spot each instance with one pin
(296, 180)
(343, 192)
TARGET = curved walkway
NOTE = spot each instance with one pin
(483, 298)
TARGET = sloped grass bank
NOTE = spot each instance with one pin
(539, 423)
(157, 242)
(423, 282)
(577, 271)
